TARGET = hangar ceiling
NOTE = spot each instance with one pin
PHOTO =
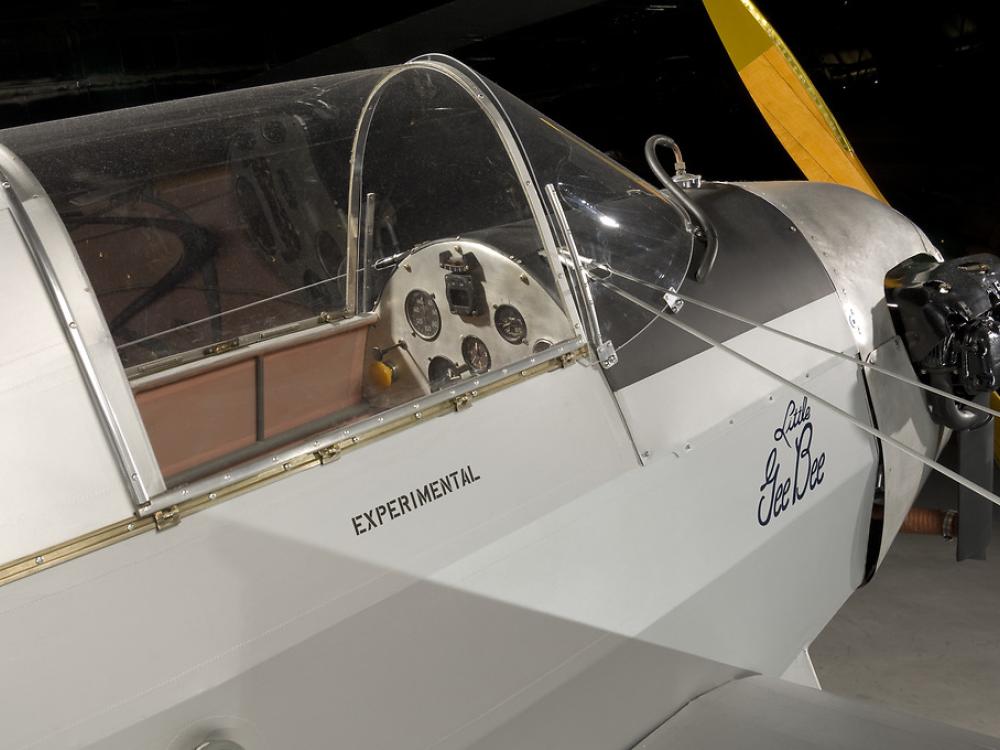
(911, 89)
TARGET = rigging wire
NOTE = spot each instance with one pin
(227, 312)
(806, 342)
(873, 431)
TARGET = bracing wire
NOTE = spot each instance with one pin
(230, 311)
(873, 431)
(812, 344)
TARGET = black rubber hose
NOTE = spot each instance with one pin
(708, 233)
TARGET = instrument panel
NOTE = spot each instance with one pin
(455, 309)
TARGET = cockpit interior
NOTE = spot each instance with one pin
(279, 262)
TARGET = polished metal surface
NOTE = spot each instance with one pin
(858, 239)
(365, 249)
(506, 283)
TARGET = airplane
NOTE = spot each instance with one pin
(377, 410)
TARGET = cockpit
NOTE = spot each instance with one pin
(276, 264)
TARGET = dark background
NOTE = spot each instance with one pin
(912, 84)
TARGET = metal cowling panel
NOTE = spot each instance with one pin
(859, 239)
(765, 269)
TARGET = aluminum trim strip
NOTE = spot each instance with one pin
(203, 495)
(364, 430)
(249, 351)
(109, 419)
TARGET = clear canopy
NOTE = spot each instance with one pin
(208, 223)
(617, 220)
(204, 220)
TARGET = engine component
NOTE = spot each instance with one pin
(931, 521)
(948, 315)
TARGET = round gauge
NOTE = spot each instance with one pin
(422, 314)
(510, 324)
(439, 371)
(540, 346)
(476, 355)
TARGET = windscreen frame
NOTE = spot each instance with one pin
(555, 210)
(481, 95)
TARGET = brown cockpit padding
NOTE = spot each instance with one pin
(203, 417)
(212, 414)
(309, 381)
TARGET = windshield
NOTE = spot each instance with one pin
(432, 166)
(209, 224)
(618, 221)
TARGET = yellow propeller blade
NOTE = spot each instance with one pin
(786, 97)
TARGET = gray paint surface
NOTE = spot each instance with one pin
(924, 635)
(346, 698)
(765, 269)
(762, 712)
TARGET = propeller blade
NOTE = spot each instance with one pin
(786, 97)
